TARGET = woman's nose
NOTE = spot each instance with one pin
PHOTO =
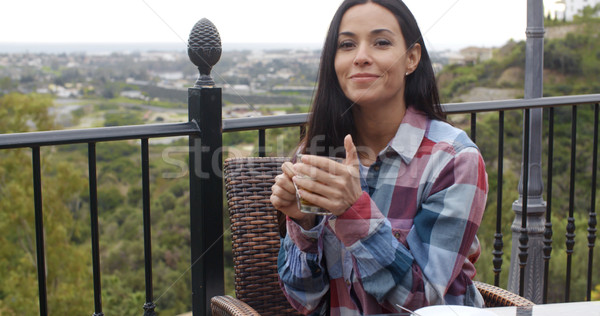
(362, 56)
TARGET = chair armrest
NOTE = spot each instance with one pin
(229, 306)
(495, 296)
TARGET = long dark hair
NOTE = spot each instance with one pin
(331, 118)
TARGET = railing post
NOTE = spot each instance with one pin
(527, 264)
(206, 190)
(40, 242)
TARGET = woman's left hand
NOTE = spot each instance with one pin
(333, 186)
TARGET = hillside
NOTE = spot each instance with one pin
(571, 66)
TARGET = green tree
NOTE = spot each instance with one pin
(7, 85)
(67, 259)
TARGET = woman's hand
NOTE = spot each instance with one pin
(333, 186)
(283, 197)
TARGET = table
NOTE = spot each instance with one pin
(558, 309)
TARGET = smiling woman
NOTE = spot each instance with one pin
(408, 198)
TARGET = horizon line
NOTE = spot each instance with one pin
(96, 47)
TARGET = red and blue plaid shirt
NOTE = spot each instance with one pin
(408, 240)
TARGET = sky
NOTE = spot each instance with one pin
(446, 24)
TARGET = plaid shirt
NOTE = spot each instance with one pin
(409, 239)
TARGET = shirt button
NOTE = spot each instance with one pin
(376, 168)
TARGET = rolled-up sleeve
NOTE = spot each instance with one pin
(302, 273)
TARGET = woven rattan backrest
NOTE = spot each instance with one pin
(255, 234)
(496, 297)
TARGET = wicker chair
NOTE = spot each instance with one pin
(255, 234)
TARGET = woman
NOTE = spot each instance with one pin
(409, 197)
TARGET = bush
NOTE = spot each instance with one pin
(109, 198)
(121, 119)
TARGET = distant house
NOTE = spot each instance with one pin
(566, 9)
(132, 94)
(171, 75)
(473, 55)
(466, 56)
(453, 58)
(60, 91)
(574, 7)
(242, 89)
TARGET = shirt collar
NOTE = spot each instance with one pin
(410, 134)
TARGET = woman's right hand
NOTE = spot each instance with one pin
(283, 197)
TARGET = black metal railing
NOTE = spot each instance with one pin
(91, 137)
(592, 222)
(205, 111)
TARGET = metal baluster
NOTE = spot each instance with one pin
(261, 143)
(498, 244)
(473, 126)
(547, 249)
(592, 220)
(570, 242)
(149, 306)
(39, 230)
(523, 236)
(92, 178)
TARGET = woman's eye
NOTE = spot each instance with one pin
(345, 45)
(382, 42)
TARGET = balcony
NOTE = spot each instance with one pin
(203, 131)
(542, 250)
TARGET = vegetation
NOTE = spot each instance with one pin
(68, 262)
(67, 223)
(455, 80)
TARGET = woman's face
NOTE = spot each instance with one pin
(371, 59)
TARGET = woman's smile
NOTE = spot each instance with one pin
(364, 77)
